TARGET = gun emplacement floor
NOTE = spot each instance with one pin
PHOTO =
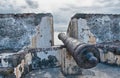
(100, 71)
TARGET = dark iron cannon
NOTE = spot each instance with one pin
(85, 55)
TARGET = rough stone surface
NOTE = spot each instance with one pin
(98, 28)
(68, 65)
(105, 27)
(100, 71)
(21, 63)
(16, 30)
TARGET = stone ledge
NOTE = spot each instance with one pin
(6, 70)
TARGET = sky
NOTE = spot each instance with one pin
(62, 10)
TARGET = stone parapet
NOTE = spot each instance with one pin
(98, 29)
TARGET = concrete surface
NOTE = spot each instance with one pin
(100, 71)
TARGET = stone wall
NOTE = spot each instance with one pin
(98, 29)
(26, 44)
(19, 31)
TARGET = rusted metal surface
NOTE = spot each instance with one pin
(85, 55)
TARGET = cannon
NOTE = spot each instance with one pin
(85, 55)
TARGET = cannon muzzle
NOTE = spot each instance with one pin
(85, 55)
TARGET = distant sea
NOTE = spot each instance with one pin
(58, 30)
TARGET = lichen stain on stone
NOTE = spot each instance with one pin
(12, 36)
(69, 56)
(104, 28)
(16, 30)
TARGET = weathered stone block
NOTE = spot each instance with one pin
(68, 65)
(18, 31)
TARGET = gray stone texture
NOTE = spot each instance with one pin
(105, 27)
(16, 30)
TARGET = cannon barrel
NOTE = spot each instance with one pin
(85, 55)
